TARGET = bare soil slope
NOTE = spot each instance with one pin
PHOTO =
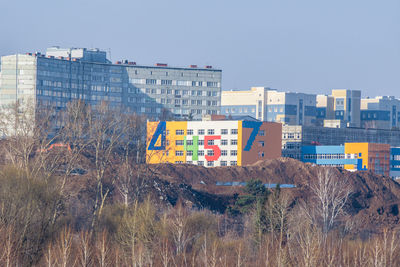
(374, 202)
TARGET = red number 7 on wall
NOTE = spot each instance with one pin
(215, 148)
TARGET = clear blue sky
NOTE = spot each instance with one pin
(297, 45)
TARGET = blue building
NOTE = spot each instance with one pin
(333, 156)
(395, 162)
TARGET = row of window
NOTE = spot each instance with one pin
(202, 132)
(291, 135)
(173, 82)
(323, 156)
(212, 132)
(224, 142)
(240, 110)
(209, 163)
(201, 153)
(167, 101)
(176, 92)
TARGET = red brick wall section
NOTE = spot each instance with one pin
(379, 152)
(272, 148)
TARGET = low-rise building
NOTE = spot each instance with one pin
(213, 143)
(351, 156)
(294, 137)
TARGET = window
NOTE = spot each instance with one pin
(179, 142)
(151, 81)
(233, 163)
(200, 163)
(224, 153)
(210, 131)
(210, 152)
(261, 133)
(166, 82)
(189, 142)
(233, 152)
(169, 91)
(201, 142)
(189, 153)
(178, 153)
(210, 142)
(234, 131)
(234, 142)
(189, 162)
(224, 163)
(261, 143)
(224, 131)
(190, 132)
(200, 132)
(180, 132)
(178, 162)
(200, 152)
(210, 163)
(199, 93)
(212, 84)
(224, 142)
(260, 154)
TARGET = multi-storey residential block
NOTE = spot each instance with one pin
(63, 75)
(347, 106)
(324, 109)
(382, 112)
(351, 156)
(213, 143)
(270, 105)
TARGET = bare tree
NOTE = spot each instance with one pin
(329, 195)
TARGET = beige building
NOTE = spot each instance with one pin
(268, 104)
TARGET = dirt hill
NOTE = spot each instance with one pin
(373, 204)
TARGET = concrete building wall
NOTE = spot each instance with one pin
(324, 109)
(146, 90)
(347, 106)
(270, 105)
(382, 112)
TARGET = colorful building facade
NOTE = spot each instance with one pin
(213, 143)
(351, 156)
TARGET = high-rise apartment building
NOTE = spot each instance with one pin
(325, 109)
(270, 105)
(382, 112)
(347, 106)
(63, 75)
